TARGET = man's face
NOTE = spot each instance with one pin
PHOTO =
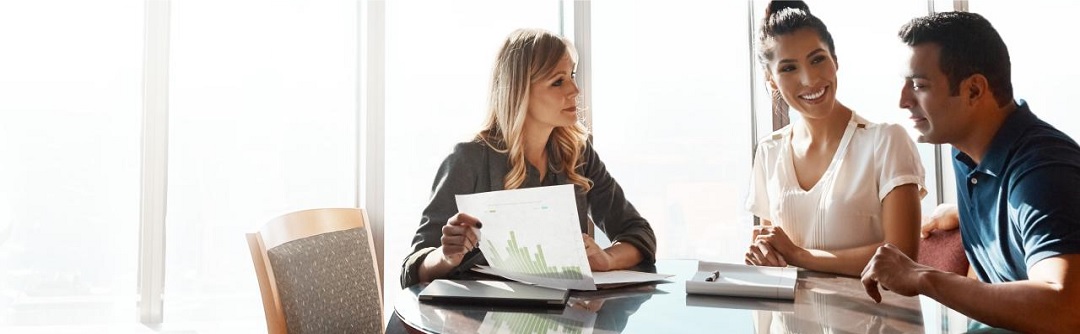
(940, 116)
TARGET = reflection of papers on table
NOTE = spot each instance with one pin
(605, 279)
(532, 235)
(741, 280)
(742, 303)
(571, 321)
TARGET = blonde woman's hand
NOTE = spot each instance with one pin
(945, 217)
(458, 237)
(599, 259)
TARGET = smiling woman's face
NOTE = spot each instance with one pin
(804, 72)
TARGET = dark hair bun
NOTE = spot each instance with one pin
(777, 6)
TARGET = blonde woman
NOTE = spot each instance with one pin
(532, 138)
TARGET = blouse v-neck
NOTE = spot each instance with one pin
(837, 157)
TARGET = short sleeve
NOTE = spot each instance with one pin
(1042, 202)
(898, 161)
(757, 198)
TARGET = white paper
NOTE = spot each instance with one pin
(626, 277)
(532, 235)
(620, 277)
(742, 280)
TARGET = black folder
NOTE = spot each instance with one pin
(502, 293)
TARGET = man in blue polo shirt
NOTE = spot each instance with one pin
(1017, 178)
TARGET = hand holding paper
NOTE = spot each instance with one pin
(459, 236)
(532, 235)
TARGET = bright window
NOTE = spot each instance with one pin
(262, 122)
(70, 121)
(671, 118)
(1046, 85)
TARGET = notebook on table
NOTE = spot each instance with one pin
(503, 293)
(738, 280)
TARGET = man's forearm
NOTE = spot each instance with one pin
(1025, 306)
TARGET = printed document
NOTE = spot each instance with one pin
(532, 235)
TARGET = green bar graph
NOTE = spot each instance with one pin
(519, 260)
(525, 323)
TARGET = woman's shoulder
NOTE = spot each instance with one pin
(470, 148)
(775, 139)
(883, 130)
(468, 152)
(588, 148)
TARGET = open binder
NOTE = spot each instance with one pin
(739, 280)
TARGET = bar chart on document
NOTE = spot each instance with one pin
(571, 321)
(521, 260)
(532, 235)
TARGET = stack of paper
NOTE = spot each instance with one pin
(741, 280)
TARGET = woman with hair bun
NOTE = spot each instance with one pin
(831, 187)
(532, 137)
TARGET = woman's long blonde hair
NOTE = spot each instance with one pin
(527, 56)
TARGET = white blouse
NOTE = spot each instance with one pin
(843, 209)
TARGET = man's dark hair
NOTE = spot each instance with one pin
(969, 45)
(785, 17)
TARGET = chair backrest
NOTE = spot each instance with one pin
(944, 250)
(317, 272)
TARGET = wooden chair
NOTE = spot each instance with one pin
(944, 250)
(317, 272)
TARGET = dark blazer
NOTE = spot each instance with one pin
(474, 167)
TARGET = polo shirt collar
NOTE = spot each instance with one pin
(1006, 137)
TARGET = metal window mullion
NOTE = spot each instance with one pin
(753, 89)
(583, 43)
(753, 80)
(154, 162)
(371, 125)
(960, 5)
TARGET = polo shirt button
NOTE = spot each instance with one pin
(974, 181)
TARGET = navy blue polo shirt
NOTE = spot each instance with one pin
(1021, 204)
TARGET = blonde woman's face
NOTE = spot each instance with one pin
(553, 100)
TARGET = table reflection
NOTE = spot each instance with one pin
(571, 321)
(824, 303)
(605, 311)
(613, 308)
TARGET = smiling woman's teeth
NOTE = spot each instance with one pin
(814, 95)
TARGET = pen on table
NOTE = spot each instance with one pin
(715, 275)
